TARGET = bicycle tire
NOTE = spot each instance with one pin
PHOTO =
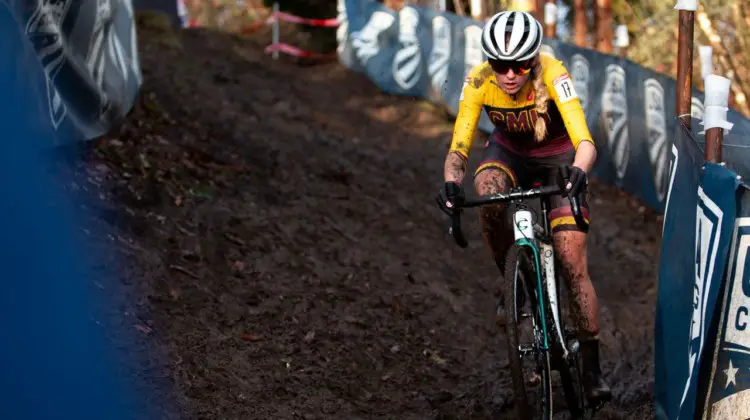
(512, 287)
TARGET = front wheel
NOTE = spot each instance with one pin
(533, 398)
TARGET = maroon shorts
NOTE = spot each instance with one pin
(526, 171)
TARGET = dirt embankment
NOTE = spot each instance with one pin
(285, 256)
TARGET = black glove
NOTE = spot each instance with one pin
(453, 193)
(576, 180)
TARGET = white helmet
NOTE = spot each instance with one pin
(525, 36)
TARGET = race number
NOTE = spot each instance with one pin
(564, 88)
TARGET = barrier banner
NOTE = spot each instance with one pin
(729, 386)
(629, 109)
(676, 270)
(57, 359)
(89, 54)
(424, 53)
(689, 282)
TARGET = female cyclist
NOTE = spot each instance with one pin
(539, 126)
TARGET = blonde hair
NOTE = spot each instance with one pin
(541, 96)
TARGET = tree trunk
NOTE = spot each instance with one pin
(539, 10)
(580, 29)
(739, 87)
(550, 30)
(394, 4)
(459, 6)
(604, 26)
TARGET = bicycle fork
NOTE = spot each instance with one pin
(548, 265)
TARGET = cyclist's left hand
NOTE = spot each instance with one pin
(577, 182)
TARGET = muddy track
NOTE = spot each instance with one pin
(285, 259)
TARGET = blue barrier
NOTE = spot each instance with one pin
(694, 251)
(88, 51)
(727, 379)
(424, 53)
(70, 70)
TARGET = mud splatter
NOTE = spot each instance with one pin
(454, 167)
(497, 233)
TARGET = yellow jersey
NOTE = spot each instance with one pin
(514, 116)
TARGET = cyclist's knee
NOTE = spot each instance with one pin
(491, 181)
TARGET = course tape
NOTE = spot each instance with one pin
(294, 51)
(324, 23)
(277, 16)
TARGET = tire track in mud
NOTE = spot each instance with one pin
(312, 277)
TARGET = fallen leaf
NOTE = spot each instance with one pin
(434, 357)
(309, 337)
(144, 329)
(250, 337)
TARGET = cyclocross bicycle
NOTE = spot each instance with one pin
(533, 266)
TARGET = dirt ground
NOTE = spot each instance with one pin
(282, 257)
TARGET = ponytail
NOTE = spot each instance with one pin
(541, 96)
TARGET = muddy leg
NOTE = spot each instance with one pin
(571, 247)
(495, 227)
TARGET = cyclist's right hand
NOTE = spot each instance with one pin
(452, 194)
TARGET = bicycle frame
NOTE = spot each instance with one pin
(538, 239)
(526, 237)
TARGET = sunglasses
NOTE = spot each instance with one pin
(519, 67)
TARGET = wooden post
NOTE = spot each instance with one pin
(458, 7)
(604, 26)
(580, 29)
(539, 9)
(715, 115)
(490, 7)
(714, 142)
(550, 19)
(476, 10)
(395, 5)
(529, 6)
(685, 58)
